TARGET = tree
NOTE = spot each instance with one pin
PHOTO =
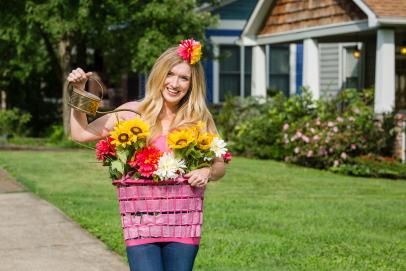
(58, 35)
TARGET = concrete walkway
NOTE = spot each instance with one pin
(36, 236)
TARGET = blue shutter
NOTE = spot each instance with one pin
(299, 68)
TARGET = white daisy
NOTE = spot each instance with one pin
(218, 146)
(169, 167)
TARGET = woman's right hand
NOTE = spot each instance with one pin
(78, 78)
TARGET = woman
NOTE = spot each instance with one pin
(175, 97)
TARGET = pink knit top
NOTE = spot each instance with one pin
(133, 232)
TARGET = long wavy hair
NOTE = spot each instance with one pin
(191, 109)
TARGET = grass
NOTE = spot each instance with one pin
(263, 215)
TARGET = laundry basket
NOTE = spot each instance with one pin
(164, 209)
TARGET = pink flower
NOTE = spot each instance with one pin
(353, 146)
(105, 149)
(298, 134)
(330, 124)
(318, 122)
(336, 163)
(305, 139)
(335, 129)
(285, 126)
(227, 157)
(322, 151)
(309, 154)
(316, 138)
(356, 111)
(343, 155)
(340, 119)
(190, 50)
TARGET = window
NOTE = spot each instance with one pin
(279, 68)
(352, 69)
(229, 71)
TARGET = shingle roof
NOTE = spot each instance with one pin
(383, 8)
(286, 15)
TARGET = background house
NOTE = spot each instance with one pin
(228, 65)
(345, 43)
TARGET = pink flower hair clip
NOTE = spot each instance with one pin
(190, 50)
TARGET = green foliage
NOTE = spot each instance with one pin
(253, 127)
(14, 122)
(319, 134)
(56, 134)
(372, 166)
(42, 41)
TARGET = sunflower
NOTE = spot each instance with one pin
(180, 139)
(121, 136)
(204, 141)
(137, 128)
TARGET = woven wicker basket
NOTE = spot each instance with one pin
(170, 209)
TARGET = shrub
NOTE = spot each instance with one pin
(372, 166)
(13, 122)
(348, 131)
(259, 135)
(319, 134)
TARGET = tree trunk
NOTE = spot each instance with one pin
(64, 57)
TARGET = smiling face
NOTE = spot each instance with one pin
(177, 83)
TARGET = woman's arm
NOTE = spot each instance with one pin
(82, 131)
(218, 169)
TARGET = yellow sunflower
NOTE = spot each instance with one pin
(204, 141)
(137, 128)
(121, 136)
(180, 139)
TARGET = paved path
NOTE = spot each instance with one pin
(36, 236)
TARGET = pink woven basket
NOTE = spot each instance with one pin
(170, 209)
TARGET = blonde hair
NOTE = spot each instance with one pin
(191, 109)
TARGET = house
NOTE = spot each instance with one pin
(228, 65)
(344, 44)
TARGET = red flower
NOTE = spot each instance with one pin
(227, 157)
(146, 161)
(105, 149)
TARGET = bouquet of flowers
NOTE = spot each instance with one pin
(127, 154)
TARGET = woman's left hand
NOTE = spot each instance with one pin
(199, 177)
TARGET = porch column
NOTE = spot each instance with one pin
(311, 70)
(385, 71)
(258, 81)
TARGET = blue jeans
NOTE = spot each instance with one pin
(170, 256)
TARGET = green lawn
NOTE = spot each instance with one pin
(263, 215)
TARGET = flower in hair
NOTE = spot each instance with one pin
(190, 50)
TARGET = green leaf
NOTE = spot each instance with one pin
(123, 155)
(117, 165)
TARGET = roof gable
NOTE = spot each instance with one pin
(287, 15)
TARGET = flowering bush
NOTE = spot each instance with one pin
(321, 134)
(334, 136)
(126, 151)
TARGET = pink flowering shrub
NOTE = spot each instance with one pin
(320, 134)
(335, 136)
